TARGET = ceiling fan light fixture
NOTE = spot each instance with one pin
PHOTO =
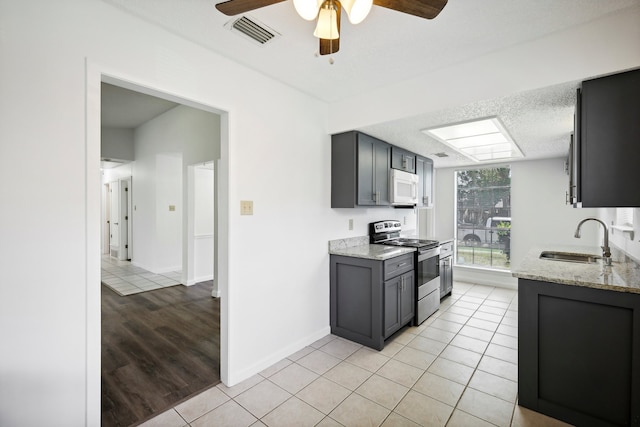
(307, 9)
(327, 27)
(357, 10)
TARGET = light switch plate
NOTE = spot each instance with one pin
(246, 207)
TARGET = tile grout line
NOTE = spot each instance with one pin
(482, 355)
(418, 333)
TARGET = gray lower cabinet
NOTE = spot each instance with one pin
(371, 299)
(399, 302)
(446, 268)
(579, 353)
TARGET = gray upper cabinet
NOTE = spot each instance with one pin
(605, 149)
(403, 160)
(359, 170)
(424, 169)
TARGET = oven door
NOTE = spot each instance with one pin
(428, 270)
(428, 284)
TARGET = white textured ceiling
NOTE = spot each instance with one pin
(386, 47)
(389, 47)
(539, 121)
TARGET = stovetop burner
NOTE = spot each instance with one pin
(411, 243)
(388, 233)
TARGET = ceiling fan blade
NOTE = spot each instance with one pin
(236, 7)
(427, 9)
(327, 47)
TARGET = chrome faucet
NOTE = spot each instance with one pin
(606, 251)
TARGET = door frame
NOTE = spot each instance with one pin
(95, 75)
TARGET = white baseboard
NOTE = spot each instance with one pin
(199, 279)
(139, 265)
(260, 366)
(168, 269)
(483, 276)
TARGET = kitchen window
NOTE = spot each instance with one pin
(483, 217)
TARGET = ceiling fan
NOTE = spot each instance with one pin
(327, 13)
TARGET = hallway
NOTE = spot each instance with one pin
(126, 279)
(158, 348)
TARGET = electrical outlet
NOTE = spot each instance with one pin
(246, 207)
(172, 208)
(350, 224)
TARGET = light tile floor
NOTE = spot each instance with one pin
(459, 368)
(126, 279)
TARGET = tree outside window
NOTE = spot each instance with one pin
(483, 217)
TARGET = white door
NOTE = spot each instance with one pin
(114, 234)
(123, 251)
(105, 228)
(129, 218)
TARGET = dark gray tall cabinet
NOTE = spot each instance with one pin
(424, 169)
(359, 170)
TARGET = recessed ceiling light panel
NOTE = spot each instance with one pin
(480, 140)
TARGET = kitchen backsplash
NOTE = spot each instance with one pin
(621, 239)
(348, 242)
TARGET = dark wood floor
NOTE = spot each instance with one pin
(158, 348)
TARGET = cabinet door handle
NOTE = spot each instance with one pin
(401, 264)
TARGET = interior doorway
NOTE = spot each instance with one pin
(125, 213)
(117, 211)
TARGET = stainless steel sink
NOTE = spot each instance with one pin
(570, 257)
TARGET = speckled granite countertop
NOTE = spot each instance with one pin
(359, 247)
(379, 252)
(622, 276)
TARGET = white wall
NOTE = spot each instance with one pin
(602, 46)
(53, 57)
(539, 214)
(203, 228)
(620, 239)
(164, 147)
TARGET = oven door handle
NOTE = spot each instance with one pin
(428, 254)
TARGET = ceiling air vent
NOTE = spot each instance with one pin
(441, 154)
(252, 29)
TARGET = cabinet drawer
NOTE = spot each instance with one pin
(398, 265)
(446, 249)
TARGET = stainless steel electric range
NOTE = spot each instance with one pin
(427, 265)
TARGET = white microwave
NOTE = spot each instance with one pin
(404, 188)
